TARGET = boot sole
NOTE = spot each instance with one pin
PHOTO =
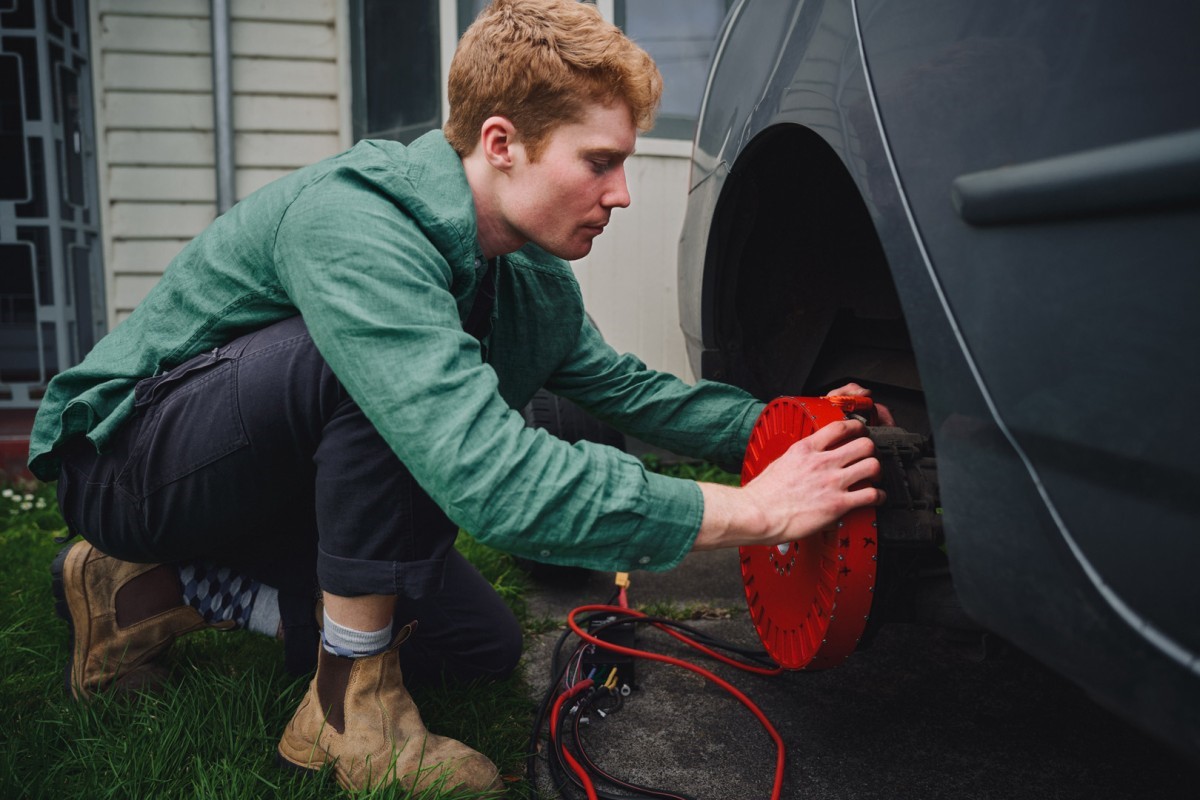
(285, 763)
(343, 780)
(308, 771)
(308, 749)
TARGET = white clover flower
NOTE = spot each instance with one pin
(40, 503)
(7, 493)
(26, 506)
(28, 498)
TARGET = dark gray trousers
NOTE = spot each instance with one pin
(253, 456)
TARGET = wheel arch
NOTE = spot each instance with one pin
(798, 294)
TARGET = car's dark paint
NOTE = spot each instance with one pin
(957, 202)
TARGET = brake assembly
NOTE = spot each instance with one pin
(811, 600)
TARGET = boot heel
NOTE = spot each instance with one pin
(56, 584)
(63, 610)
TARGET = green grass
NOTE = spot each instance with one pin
(212, 732)
(692, 470)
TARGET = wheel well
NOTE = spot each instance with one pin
(800, 293)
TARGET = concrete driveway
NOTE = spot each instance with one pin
(913, 716)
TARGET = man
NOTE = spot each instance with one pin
(321, 389)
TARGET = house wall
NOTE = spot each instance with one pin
(154, 130)
(628, 279)
(154, 118)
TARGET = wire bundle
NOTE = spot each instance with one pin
(578, 689)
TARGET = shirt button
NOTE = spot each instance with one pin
(544, 553)
(644, 560)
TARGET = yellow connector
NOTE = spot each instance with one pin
(622, 580)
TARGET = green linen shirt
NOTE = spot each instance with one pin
(377, 249)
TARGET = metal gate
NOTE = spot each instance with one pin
(51, 271)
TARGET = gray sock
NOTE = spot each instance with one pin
(343, 641)
(264, 614)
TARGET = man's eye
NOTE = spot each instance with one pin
(602, 166)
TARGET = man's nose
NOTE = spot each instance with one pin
(617, 193)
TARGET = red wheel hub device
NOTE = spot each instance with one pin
(810, 599)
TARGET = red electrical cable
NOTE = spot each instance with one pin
(777, 787)
(575, 766)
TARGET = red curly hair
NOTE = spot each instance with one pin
(539, 63)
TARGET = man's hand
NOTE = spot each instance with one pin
(817, 481)
(882, 414)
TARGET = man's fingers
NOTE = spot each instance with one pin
(846, 444)
(864, 470)
(850, 390)
(855, 450)
(884, 415)
(867, 496)
(842, 453)
(836, 433)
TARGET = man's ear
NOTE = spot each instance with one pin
(497, 140)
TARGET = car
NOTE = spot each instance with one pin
(988, 212)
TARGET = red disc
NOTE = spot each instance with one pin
(809, 600)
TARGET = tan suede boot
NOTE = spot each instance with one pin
(122, 617)
(358, 716)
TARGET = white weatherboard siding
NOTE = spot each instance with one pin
(154, 118)
(628, 279)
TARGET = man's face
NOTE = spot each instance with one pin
(562, 201)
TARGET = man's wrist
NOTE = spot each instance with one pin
(729, 518)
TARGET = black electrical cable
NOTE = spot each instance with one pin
(589, 637)
(557, 676)
(542, 709)
(758, 656)
(563, 773)
(561, 678)
(712, 641)
(560, 775)
(637, 789)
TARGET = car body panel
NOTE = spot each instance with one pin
(1052, 346)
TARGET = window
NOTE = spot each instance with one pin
(397, 82)
(468, 10)
(680, 36)
(397, 77)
